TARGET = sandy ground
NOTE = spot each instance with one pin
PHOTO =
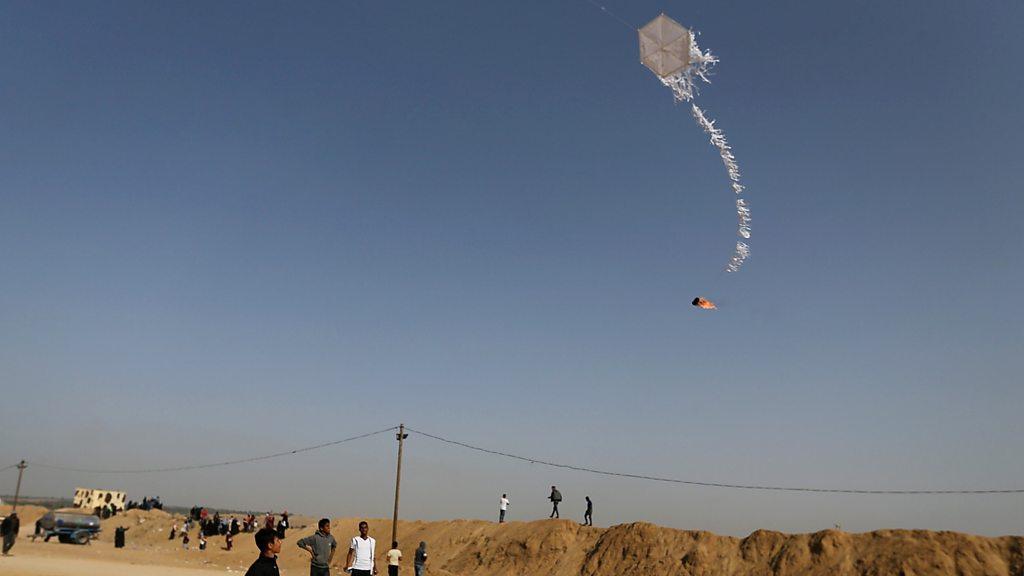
(541, 547)
(23, 565)
(101, 558)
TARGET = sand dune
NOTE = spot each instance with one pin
(551, 548)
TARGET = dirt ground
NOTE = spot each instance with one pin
(541, 547)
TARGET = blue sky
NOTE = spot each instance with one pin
(235, 228)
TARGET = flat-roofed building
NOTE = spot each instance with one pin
(91, 498)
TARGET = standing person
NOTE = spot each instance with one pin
(555, 498)
(321, 547)
(502, 508)
(420, 560)
(184, 540)
(282, 525)
(362, 559)
(202, 541)
(174, 531)
(9, 530)
(270, 546)
(268, 523)
(588, 516)
(394, 557)
(119, 536)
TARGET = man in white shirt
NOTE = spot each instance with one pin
(394, 557)
(361, 559)
(502, 508)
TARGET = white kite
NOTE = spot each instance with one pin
(671, 52)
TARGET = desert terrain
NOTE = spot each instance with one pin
(542, 547)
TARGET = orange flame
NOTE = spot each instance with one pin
(704, 303)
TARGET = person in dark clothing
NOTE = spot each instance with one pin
(555, 498)
(9, 530)
(270, 546)
(119, 537)
(588, 516)
(420, 560)
(282, 525)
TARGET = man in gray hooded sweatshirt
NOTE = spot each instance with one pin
(321, 547)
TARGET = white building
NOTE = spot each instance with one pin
(89, 498)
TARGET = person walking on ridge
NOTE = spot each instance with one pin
(555, 498)
(502, 508)
(270, 546)
(321, 547)
(588, 516)
(362, 560)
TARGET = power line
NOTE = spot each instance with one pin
(604, 9)
(524, 459)
(213, 464)
(705, 484)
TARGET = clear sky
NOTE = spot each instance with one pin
(233, 228)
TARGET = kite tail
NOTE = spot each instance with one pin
(684, 83)
(742, 210)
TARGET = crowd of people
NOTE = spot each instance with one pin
(321, 545)
(146, 504)
(216, 525)
(361, 559)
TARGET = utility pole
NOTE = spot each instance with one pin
(398, 483)
(17, 491)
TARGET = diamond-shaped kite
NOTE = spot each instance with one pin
(664, 46)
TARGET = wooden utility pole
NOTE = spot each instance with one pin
(398, 483)
(17, 490)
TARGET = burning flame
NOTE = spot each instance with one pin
(704, 303)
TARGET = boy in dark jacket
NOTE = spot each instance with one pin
(270, 546)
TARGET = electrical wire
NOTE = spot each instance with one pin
(215, 464)
(531, 461)
(604, 9)
(704, 484)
